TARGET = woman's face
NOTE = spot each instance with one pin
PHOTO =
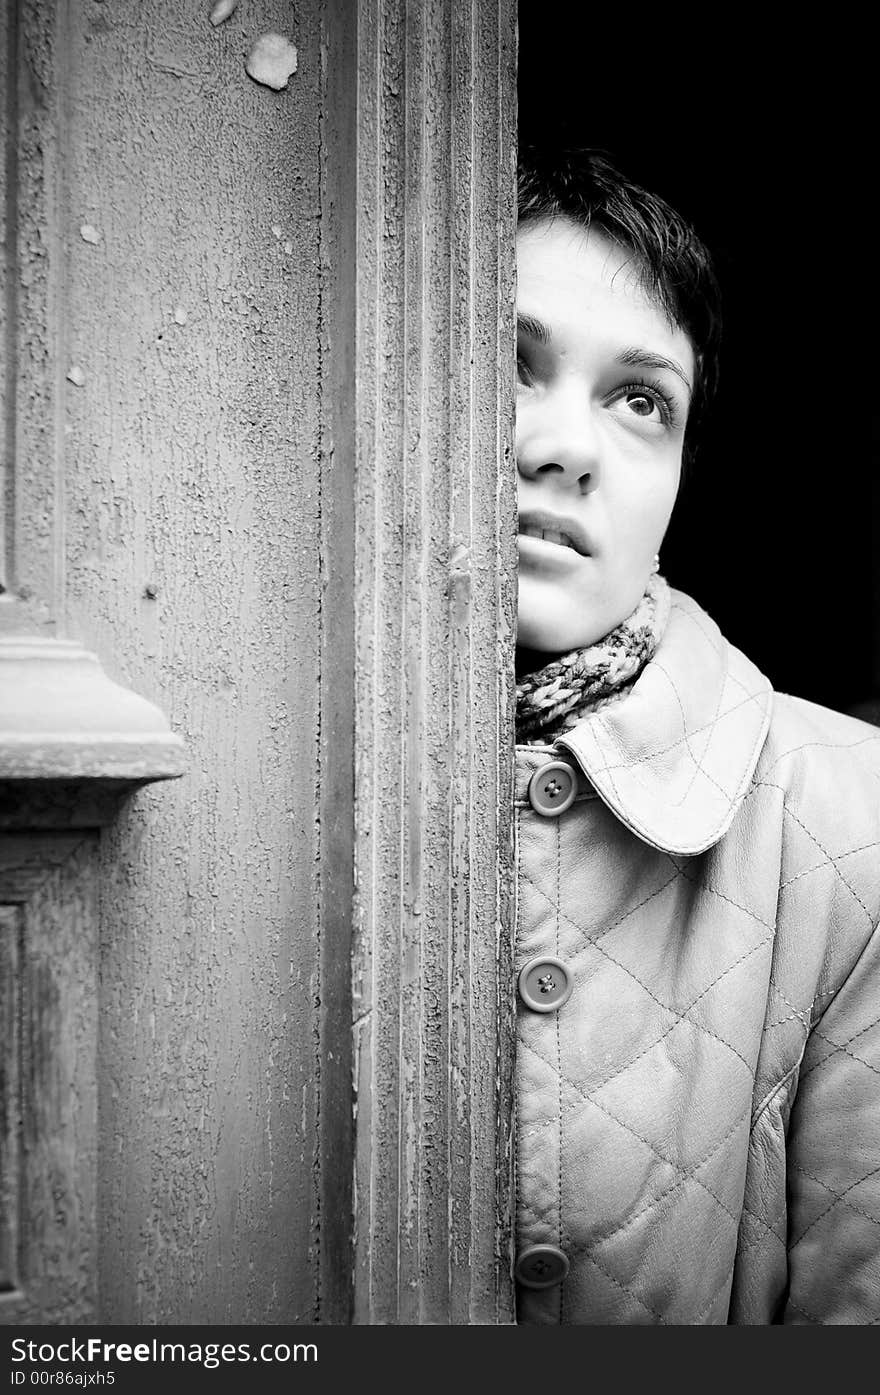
(604, 386)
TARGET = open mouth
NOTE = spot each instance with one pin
(548, 535)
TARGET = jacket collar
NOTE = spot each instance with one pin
(674, 758)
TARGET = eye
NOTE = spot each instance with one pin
(648, 402)
(641, 404)
(523, 371)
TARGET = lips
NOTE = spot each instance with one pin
(554, 528)
(548, 534)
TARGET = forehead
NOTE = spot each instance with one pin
(585, 287)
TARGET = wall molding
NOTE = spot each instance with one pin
(48, 1112)
(72, 742)
(434, 564)
(64, 725)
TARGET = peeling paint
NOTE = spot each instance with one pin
(190, 475)
(432, 944)
(75, 375)
(89, 234)
(271, 61)
(222, 10)
(180, 315)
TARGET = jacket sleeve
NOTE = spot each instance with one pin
(833, 1157)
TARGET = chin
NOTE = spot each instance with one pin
(551, 620)
(556, 634)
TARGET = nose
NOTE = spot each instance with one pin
(559, 436)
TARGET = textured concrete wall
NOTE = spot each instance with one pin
(260, 463)
(435, 581)
(48, 1031)
(191, 563)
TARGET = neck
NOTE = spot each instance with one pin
(555, 691)
(531, 660)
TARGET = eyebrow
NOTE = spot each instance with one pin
(534, 328)
(641, 358)
(632, 358)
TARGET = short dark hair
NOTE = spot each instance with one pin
(676, 267)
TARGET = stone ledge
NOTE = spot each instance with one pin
(65, 726)
(27, 805)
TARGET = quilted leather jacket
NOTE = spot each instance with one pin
(698, 1031)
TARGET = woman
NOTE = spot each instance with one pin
(698, 857)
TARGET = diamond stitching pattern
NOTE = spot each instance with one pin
(840, 1199)
(699, 768)
(678, 1017)
(681, 1174)
(799, 991)
(844, 1047)
(829, 860)
(626, 761)
(821, 746)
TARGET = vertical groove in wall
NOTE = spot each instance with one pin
(35, 504)
(435, 587)
(11, 1178)
(336, 738)
(504, 621)
(59, 242)
(33, 372)
(8, 281)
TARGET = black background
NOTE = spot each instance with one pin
(762, 139)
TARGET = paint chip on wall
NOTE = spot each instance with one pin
(180, 316)
(89, 234)
(271, 61)
(76, 376)
(222, 10)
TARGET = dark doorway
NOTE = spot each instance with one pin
(776, 530)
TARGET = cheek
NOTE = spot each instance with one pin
(645, 514)
(521, 417)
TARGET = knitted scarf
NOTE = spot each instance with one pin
(558, 696)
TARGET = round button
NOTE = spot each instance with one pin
(541, 1266)
(552, 788)
(544, 984)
